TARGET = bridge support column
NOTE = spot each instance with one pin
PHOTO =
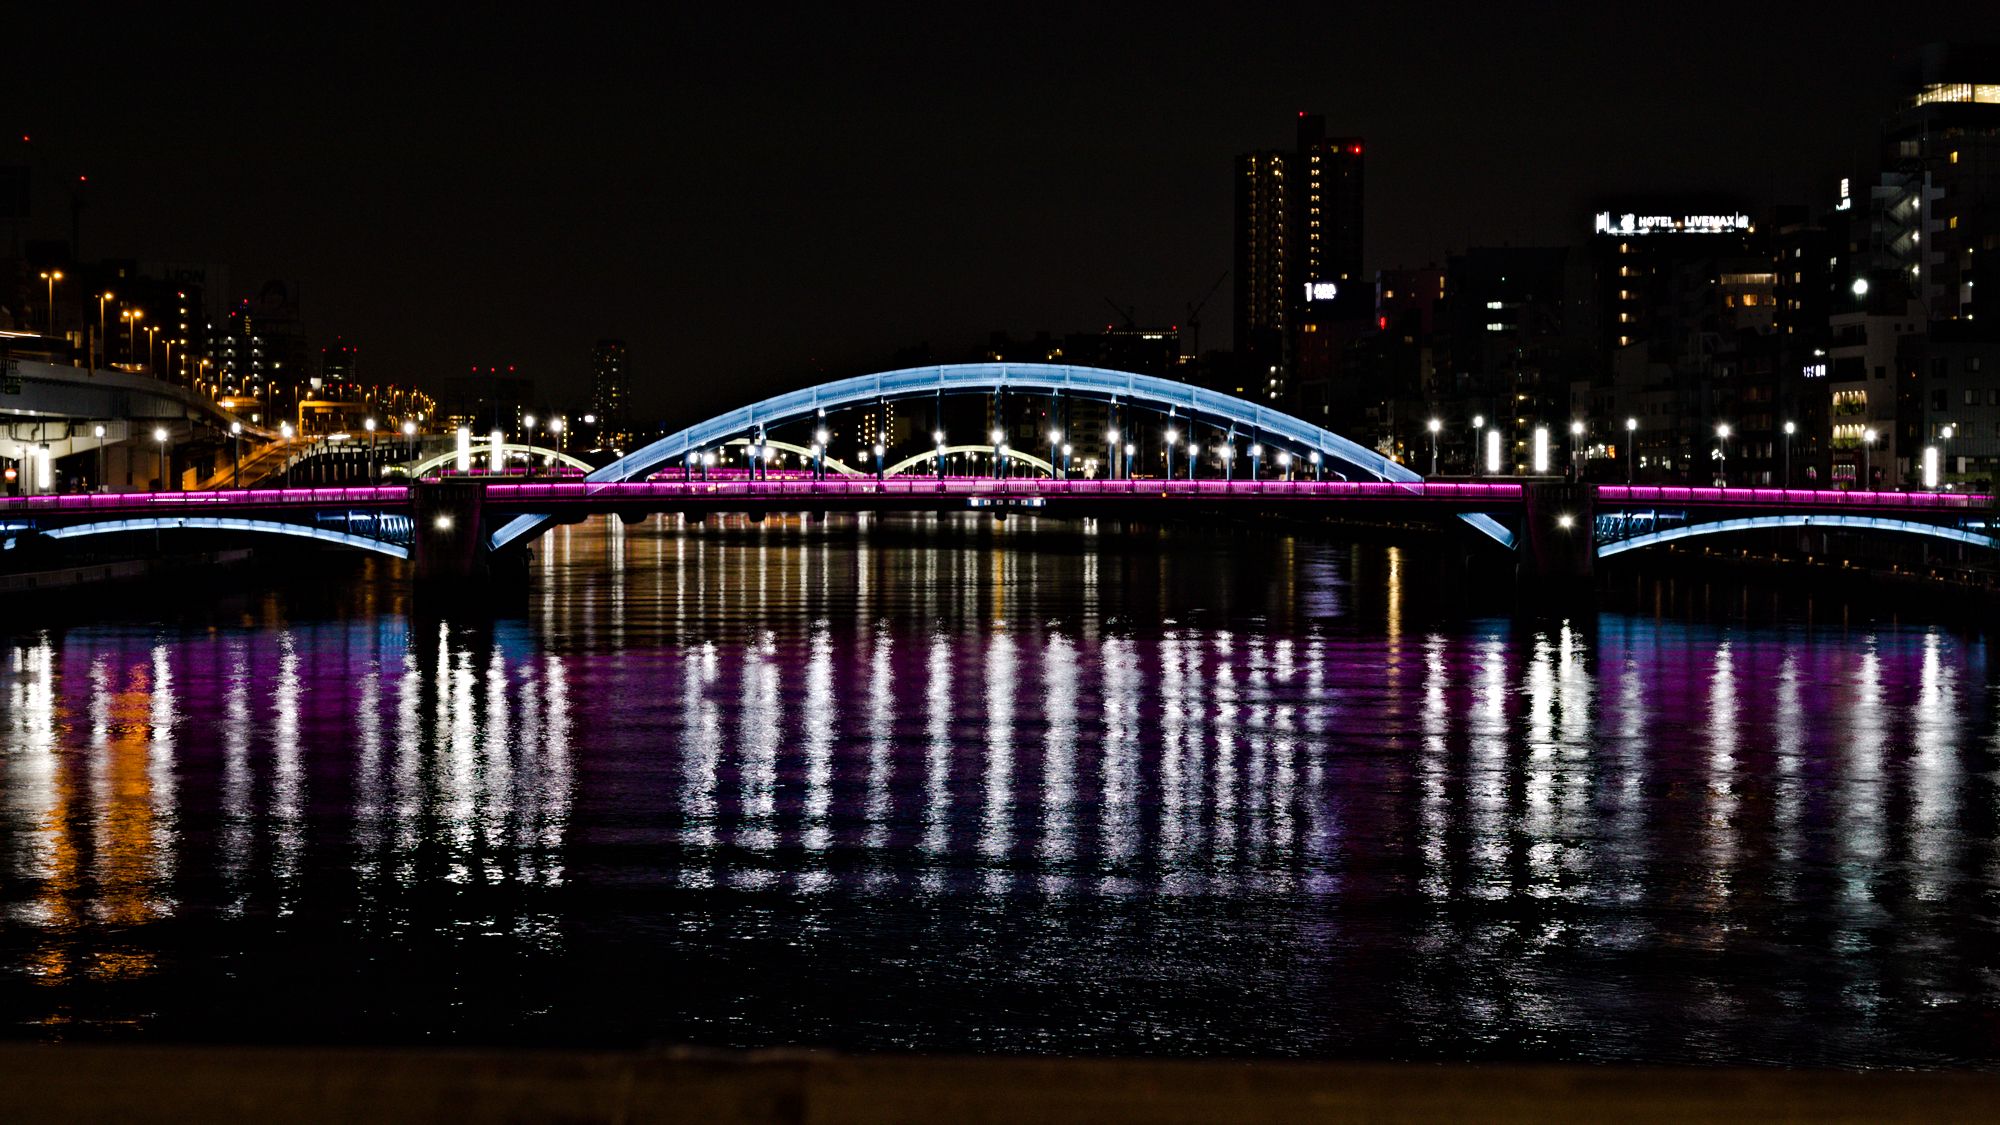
(1557, 551)
(448, 533)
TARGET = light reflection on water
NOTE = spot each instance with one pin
(1009, 788)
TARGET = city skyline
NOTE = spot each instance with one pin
(788, 259)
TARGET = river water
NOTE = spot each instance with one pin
(891, 785)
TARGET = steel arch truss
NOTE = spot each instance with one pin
(223, 523)
(1759, 523)
(485, 449)
(1181, 400)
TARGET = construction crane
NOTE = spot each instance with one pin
(1123, 311)
(1194, 317)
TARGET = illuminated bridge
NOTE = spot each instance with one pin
(453, 527)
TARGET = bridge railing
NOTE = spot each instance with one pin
(219, 499)
(553, 491)
(1789, 497)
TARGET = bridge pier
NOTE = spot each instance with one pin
(1556, 556)
(448, 533)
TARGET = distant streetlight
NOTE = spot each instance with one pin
(1434, 426)
(1577, 452)
(1790, 429)
(98, 433)
(1478, 425)
(160, 435)
(1631, 449)
(52, 276)
(132, 317)
(1867, 444)
(1722, 453)
(103, 345)
(236, 455)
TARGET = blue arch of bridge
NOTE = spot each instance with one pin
(1758, 523)
(1163, 395)
(226, 523)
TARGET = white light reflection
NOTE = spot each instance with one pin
(1059, 703)
(701, 756)
(819, 715)
(996, 830)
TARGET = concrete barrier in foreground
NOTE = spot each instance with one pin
(140, 1084)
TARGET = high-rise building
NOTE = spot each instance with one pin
(1327, 205)
(1939, 188)
(1299, 279)
(1263, 300)
(608, 393)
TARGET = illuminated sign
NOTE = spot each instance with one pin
(1846, 194)
(1815, 371)
(1321, 290)
(1607, 223)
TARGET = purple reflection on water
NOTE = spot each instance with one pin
(1004, 790)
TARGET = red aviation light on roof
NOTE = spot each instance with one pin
(1355, 149)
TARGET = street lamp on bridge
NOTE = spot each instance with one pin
(236, 455)
(1722, 453)
(1790, 429)
(1434, 426)
(1578, 453)
(1631, 449)
(1478, 439)
(160, 436)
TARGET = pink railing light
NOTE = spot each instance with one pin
(1460, 494)
(1614, 495)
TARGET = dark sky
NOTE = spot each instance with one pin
(750, 196)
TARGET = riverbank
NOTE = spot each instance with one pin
(137, 1084)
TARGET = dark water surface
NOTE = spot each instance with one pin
(1025, 789)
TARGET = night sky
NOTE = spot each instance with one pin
(752, 200)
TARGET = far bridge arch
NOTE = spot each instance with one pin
(1192, 404)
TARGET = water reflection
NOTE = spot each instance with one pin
(966, 787)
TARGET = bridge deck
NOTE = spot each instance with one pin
(572, 496)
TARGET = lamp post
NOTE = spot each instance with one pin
(369, 425)
(1173, 438)
(1130, 449)
(160, 436)
(1478, 439)
(1944, 440)
(1577, 453)
(410, 439)
(557, 428)
(132, 317)
(999, 437)
(52, 276)
(1867, 444)
(819, 451)
(1256, 459)
(1722, 453)
(1194, 451)
(236, 455)
(1055, 439)
(1111, 451)
(1434, 426)
(1790, 429)
(103, 345)
(1228, 452)
(1631, 450)
(1285, 464)
(879, 451)
(98, 433)
(1314, 458)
